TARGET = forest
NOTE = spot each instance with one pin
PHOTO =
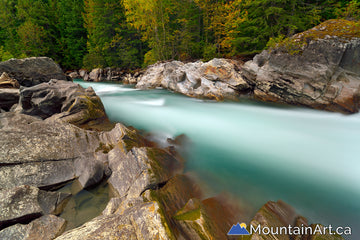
(131, 34)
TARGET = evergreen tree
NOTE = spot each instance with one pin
(72, 33)
(110, 41)
(266, 19)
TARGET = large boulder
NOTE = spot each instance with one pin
(32, 71)
(77, 105)
(50, 153)
(24, 203)
(319, 68)
(216, 79)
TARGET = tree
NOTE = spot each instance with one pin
(266, 19)
(110, 41)
(37, 31)
(72, 33)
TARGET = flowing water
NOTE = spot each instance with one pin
(257, 152)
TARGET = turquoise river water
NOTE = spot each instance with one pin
(310, 159)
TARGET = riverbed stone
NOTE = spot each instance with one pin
(96, 75)
(24, 203)
(216, 79)
(46, 227)
(32, 71)
(139, 169)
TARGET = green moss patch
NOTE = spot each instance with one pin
(342, 29)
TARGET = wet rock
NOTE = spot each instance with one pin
(274, 214)
(75, 104)
(320, 69)
(216, 79)
(8, 98)
(187, 216)
(279, 214)
(47, 227)
(139, 169)
(24, 203)
(8, 82)
(32, 71)
(142, 221)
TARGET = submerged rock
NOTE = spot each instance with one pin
(32, 71)
(318, 68)
(216, 79)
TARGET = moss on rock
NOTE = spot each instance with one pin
(341, 29)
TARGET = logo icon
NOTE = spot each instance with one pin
(238, 229)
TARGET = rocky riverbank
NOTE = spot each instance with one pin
(57, 133)
(318, 68)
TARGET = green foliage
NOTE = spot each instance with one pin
(349, 11)
(210, 52)
(5, 55)
(268, 19)
(111, 41)
(135, 33)
(72, 33)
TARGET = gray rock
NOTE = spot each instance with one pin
(24, 203)
(46, 227)
(82, 73)
(216, 79)
(140, 168)
(76, 104)
(32, 71)
(96, 75)
(50, 153)
(323, 74)
(9, 97)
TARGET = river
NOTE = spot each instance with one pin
(257, 152)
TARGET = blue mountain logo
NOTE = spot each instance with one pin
(238, 229)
